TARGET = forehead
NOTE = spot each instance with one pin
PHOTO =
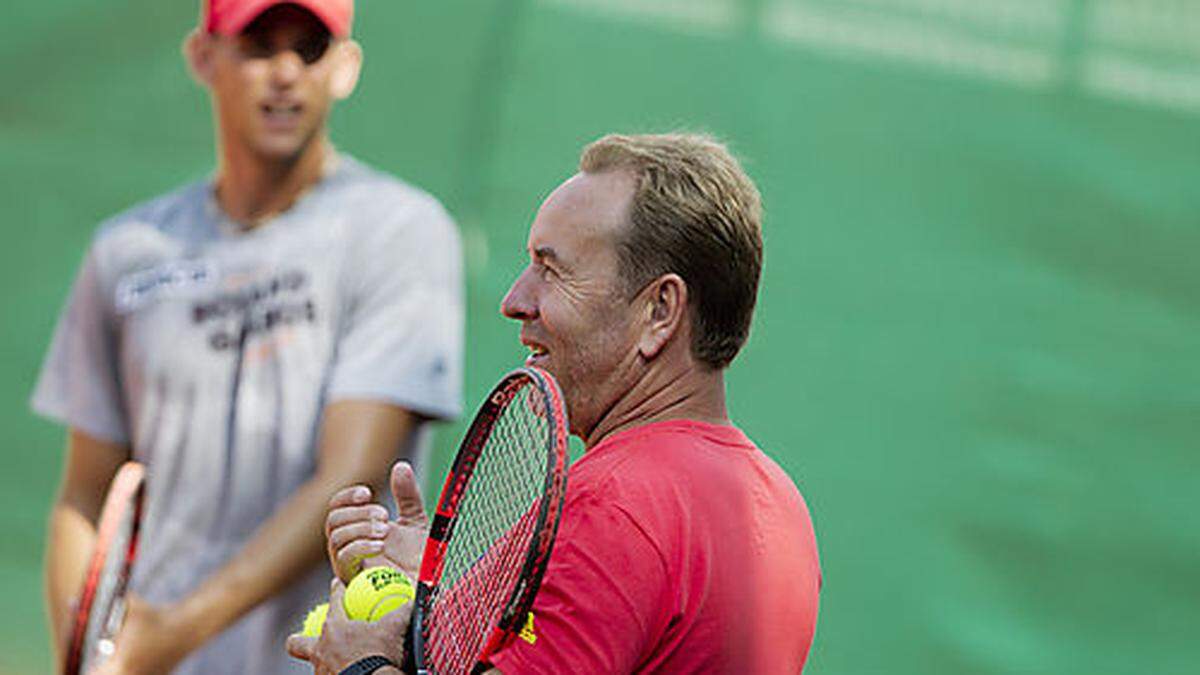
(586, 211)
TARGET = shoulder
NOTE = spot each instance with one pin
(144, 232)
(166, 213)
(629, 468)
(667, 467)
(612, 519)
(605, 513)
(387, 202)
(387, 219)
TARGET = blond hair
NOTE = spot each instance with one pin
(694, 213)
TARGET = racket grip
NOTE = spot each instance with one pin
(414, 642)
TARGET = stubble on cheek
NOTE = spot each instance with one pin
(591, 378)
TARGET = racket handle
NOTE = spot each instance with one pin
(414, 642)
(410, 658)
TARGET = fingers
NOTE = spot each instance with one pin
(351, 497)
(366, 529)
(304, 647)
(361, 516)
(350, 558)
(409, 506)
(362, 527)
(301, 646)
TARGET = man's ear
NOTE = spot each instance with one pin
(346, 69)
(666, 301)
(198, 55)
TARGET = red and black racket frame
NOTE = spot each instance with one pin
(538, 556)
(127, 484)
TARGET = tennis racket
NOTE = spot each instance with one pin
(494, 527)
(102, 603)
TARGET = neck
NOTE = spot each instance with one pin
(252, 189)
(685, 392)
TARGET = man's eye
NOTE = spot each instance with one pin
(312, 50)
(256, 49)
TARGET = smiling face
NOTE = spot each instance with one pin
(273, 84)
(576, 319)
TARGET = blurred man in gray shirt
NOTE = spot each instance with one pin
(257, 340)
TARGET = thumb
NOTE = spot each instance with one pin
(337, 594)
(409, 506)
(301, 646)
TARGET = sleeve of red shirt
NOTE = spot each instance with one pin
(603, 601)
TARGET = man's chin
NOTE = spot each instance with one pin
(279, 150)
(282, 147)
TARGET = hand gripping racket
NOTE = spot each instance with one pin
(101, 605)
(494, 527)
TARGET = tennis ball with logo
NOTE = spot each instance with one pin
(372, 594)
(376, 592)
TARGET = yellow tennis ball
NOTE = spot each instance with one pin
(315, 621)
(376, 592)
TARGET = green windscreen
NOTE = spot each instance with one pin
(977, 348)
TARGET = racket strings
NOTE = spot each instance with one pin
(495, 524)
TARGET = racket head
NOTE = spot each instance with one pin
(494, 526)
(101, 606)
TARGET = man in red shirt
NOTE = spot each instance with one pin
(683, 548)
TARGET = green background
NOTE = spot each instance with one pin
(977, 345)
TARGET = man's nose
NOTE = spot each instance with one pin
(286, 66)
(519, 303)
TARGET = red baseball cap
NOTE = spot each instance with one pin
(229, 17)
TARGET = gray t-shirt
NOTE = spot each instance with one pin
(212, 350)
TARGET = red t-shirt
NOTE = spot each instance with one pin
(682, 549)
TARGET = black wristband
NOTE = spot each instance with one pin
(368, 665)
